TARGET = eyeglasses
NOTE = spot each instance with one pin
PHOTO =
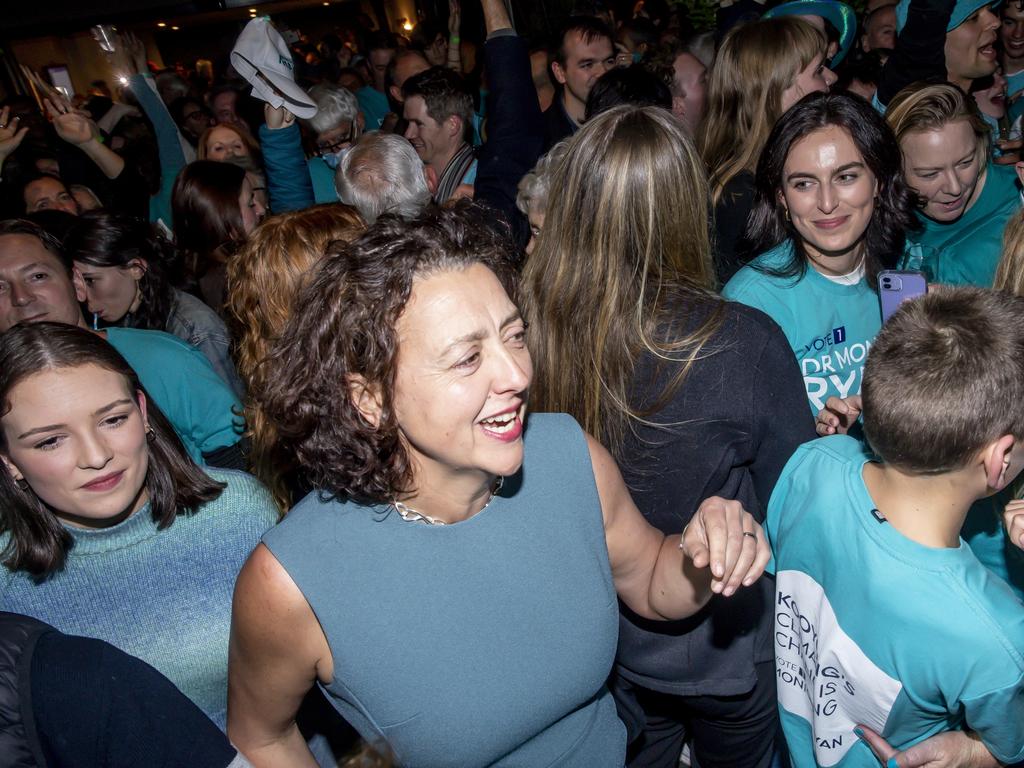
(330, 149)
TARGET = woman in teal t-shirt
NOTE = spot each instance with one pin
(964, 201)
(830, 210)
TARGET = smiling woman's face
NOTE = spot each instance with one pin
(462, 377)
(943, 167)
(77, 436)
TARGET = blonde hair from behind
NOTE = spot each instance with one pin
(625, 237)
(264, 278)
(921, 107)
(1010, 273)
(755, 65)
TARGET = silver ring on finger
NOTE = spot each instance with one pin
(751, 534)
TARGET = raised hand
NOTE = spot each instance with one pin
(454, 18)
(73, 126)
(277, 117)
(11, 135)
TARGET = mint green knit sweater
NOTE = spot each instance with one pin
(163, 596)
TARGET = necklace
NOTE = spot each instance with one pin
(411, 515)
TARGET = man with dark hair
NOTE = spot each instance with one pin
(584, 51)
(36, 285)
(687, 80)
(439, 110)
(628, 85)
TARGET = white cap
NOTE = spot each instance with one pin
(262, 57)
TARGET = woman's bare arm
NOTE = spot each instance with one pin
(672, 577)
(277, 653)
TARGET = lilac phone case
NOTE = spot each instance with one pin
(895, 287)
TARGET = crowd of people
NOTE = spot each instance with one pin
(275, 336)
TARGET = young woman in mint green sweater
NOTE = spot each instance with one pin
(107, 528)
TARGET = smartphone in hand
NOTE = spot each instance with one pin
(896, 286)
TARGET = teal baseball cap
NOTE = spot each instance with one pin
(839, 15)
(961, 11)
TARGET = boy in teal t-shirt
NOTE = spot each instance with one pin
(883, 615)
(829, 325)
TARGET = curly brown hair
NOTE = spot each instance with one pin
(347, 331)
(264, 278)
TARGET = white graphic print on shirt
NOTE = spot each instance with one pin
(823, 676)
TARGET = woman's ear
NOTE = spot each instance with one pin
(365, 398)
(143, 404)
(137, 268)
(12, 470)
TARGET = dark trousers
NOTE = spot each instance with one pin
(723, 731)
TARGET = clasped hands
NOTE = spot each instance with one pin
(722, 535)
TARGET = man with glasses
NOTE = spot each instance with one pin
(337, 124)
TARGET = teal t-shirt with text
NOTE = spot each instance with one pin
(829, 326)
(873, 628)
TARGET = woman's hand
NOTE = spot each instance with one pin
(668, 577)
(838, 415)
(952, 749)
(72, 125)
(454, 18)
(11, 135)
(725, 536)
(1013, 517)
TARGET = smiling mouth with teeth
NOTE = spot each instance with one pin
(502, 423)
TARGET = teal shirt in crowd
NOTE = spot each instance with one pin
(204, 412)
(374, 106)
(162, 596)
(873, 628)
(967, 251)
(829, 326)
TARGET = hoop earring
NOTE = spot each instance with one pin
(22, 484)
(150, 434)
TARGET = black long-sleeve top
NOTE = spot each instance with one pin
(740, 413)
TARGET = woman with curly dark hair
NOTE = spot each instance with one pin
(125, 272)
(831, 210)
(430, 581)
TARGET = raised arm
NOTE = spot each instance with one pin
(672, 577)
(515, 126)
(454, 41)
(169, 142)
(77, 129)
(288, 183)
(277, 653)
(920, 48)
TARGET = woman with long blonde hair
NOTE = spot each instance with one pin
(264, 278)
(761, 70)
(692, 395)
